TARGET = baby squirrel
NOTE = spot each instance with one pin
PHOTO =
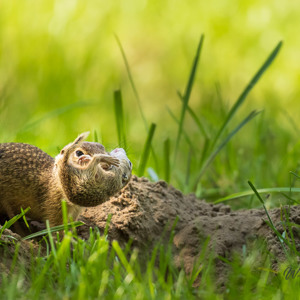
(83, 174)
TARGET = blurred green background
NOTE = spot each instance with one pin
(60, 64)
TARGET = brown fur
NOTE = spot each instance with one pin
(31, 178)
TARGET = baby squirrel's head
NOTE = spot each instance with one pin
(88, 174)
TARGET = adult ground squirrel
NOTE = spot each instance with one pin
(83, 174)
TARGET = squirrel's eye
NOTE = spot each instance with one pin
(79, 153)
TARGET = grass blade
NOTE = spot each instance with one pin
(122, 257)
(287, 226)
(223, 144)
(246, 91)
(280, 237)
(296, 175)
(136, 95)
(261, 191)
(132, 82)
(10, 222)
(291, 200)
(53, 229)
(119, 114)
(195, 118)
(188, 140)
(146, 151)
(204, 151)
(96, 139)
(221, 101)
(188, 168)
(167, 159)
(187, 94)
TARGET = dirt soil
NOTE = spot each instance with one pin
(145, 212)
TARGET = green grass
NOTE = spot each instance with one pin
(91, 269)
(96, 269)
(60, 78)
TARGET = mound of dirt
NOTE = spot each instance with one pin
(145, 212)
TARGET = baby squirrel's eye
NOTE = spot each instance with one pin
(79, 153)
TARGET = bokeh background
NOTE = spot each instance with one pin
(60, 64)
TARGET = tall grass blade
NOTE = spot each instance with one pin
(96, 139)
(119, 114)
(187, 94)
(132, 82)
(293, 177)
(213, 155)
(246, 91)
(296, 175)
(24, 218)
(291, 200)
(188, 168)
(146, 151)
(53, 229)
(287, 226)
(188, 140)
(109, 217)
(221, 101)
(261, 191)
(51, 240)
(195, 118)
(280, 237)
(198, 265)
(167, 159)
(136, 95)
(204, 151)
(10, 222)
(122, 257)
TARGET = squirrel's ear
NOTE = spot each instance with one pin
(81, 137)
(70, 147)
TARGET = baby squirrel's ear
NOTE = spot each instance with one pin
(81, 137)
(70, 147)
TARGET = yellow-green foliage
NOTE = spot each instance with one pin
(60, 64)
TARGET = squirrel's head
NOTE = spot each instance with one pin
(88, 174)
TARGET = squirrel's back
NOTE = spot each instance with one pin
(25, 171)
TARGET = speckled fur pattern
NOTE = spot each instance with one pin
(31, 178)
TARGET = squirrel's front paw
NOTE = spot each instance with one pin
(106, 161)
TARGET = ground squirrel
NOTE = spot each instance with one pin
(83, 174)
